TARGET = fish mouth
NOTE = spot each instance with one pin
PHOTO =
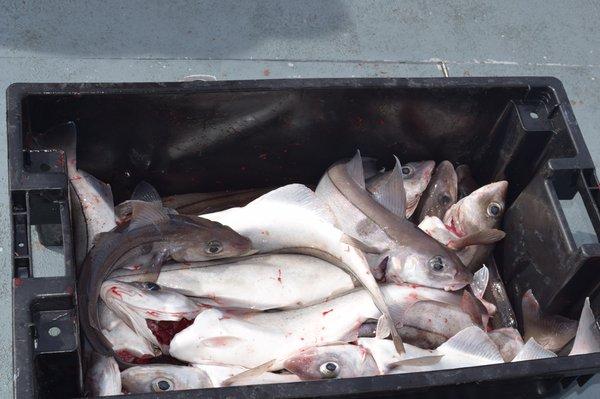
(461, 279)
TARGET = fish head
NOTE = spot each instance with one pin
(429, 264)
(480, 210)
(445, 190)
(202, 240)
(416, 177)
(163, 378)
(331, 361)
(150, 299)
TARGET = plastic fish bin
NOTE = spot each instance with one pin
(212, 136)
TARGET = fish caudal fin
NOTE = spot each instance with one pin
(587, 339)
(531, 351)
(474, 343)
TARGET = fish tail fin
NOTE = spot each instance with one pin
(587, 339)
(475, 343)
(532, 350)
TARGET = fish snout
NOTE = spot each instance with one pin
(461, 278)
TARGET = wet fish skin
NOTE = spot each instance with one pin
(259, 282)
(171, 236)
(219, 373)
(163, 377)
(251, 339)
(416, 176)
(332, 361)
(201, 203)
(465, 182)
(103, 378)
(509, 342)
(481, 210)
(552, 332)
(441, 193)
(409, 255)
(122, 337)
(294, 219)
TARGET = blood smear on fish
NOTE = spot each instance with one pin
(164, 331)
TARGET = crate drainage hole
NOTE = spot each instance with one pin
(533, 115)
(54, 331)
(45, 167)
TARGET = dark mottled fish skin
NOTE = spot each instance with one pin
(201, 203)
(466, 183)
(178, 237)
(441, 193)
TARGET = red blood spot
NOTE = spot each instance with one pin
(136, 267)
(17, 282)
(266, 72)
(129, 357)
(279, 275)
(164, 331)
(115, 291)
(327, 311)
(152, 313)
(414, 286)
(77, 177)
(453, 228)
(263, 156)
(413, 296)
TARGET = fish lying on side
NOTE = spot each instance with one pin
(292, 218)
(252, 339)
(151, 230)
(162, 378)
(441, 193)
(552, 332)
(220, 375)
(415, 177)
(137, 301)
(405, 253)
(465, 182)
(125, 342)
(259, 282)
(587, 339)
(103, 378)
(93, 210)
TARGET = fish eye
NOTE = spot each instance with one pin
(407, 171)
(162, 385)
(214, 247)
(151, 286)
(494, 209)
(446, 199)
(329, 370)
(437, 263)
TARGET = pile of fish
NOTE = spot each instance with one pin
(374, 272)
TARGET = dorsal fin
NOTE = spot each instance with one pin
(587, 339)
(472, 342)
(355, 169)
(145, 213)
(532, 350)
(144, 191)
(298, 195)
(391, 194)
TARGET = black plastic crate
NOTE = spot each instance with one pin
(209, 136)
